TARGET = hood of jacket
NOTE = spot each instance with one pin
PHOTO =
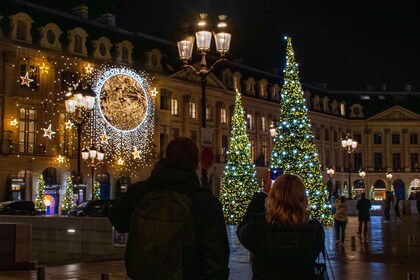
(172, 175)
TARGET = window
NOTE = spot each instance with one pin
(192, 110)
(174, 107)
(343, 110)
(377, 138)
(357, 161)
(357, 137)
(414, 139)
(264, 150)
(69, 145)
(209, 113)
(263, 124)
(68, 79)
(224, 144)
(414, 162)
(249, 122)
(396, 161)
(223, 117)
(21, 30)
(335, 135)
(395, 137)
(27, 130)
(164, 102)
(194, 136)
(50, 37)
(163, 139)
(378, 161)
(252, 142)
(102, 49)
(78, 44)
(317, 133)
(327, 135)
(124, 55)
(175, 133)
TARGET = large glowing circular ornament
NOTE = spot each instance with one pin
(123, 100)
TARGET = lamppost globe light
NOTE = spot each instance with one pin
(362, 174)
(388, 176)
(330, 172)
(85, 153)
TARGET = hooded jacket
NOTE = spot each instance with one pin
(211, 257)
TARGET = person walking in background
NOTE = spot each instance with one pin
(176, 228)
(340, 219)
(397, 210)
(388, 202)
(285, 244)
(333, 198)
(363, 205)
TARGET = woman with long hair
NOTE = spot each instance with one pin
(284, 242)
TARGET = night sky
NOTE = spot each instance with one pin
(347, 44)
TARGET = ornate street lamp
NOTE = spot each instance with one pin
(389, 177)
(349, 145)
(79, 106)
(273, 130)
(92, 158)
(330, 173)
(362, 175)
(203, 37)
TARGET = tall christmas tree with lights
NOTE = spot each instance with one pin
(40, 194)
(68, 202)
(294, 150)
(239, 180)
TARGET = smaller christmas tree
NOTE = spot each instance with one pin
(68, 202)
(96, 192)
(40, 194)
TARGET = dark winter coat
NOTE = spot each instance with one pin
(280, 251)
(211, 257)
(363, 205)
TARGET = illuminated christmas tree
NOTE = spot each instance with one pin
(96, 192)
(239, 180)
(294, 150)
(68, 202)
(40, 194)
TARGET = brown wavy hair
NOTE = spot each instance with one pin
(287, 202)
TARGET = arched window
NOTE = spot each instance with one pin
(124, 55)
(78, 48)
(21, 30)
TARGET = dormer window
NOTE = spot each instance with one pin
(20, 27)
(101, 48)
(77, 41)
(342, 110)
(124, 51)
(50, 35)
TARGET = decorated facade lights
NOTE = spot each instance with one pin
(203, 37)
(349, 145)
(79, 106)
(389, 177)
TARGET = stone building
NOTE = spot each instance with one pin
(52, 47)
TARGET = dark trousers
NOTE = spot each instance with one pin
(340, 227)
(386, 213)
(365, 225)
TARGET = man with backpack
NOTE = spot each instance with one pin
(176, 228)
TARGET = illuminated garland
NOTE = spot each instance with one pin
(239, 177)
(294, 150)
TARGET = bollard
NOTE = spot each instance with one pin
(412, 276)
(41, 272)
(106, 276)
(353, 240)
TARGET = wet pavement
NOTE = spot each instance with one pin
(392, 251)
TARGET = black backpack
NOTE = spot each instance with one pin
(161, 237)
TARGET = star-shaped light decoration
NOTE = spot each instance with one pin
(69, 124)
(26, 80)
(44, 69)
(104, 138)
(88, 68)
(48, 132)
(14, 122)
(136, 153)
(154, 92)
(120, 161)
(61, 159)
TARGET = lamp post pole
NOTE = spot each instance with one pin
(349, 145)
(330, 172)
(203, 40)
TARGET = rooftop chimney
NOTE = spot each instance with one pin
(383, 87)
(108, 19)
(81, 11)
(408, 88)
(323, 85)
